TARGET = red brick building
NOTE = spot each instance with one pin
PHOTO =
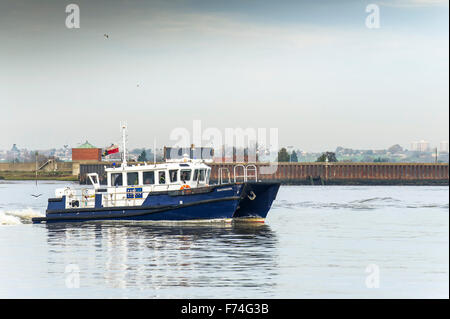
(86, 152)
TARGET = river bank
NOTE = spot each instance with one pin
(339, 173)
(24, 176)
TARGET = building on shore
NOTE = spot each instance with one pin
(87, 152)
(420, 146)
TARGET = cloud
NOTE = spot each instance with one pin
(214, 28)
(414, 3)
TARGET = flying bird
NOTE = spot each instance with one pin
(106, 36)
(36, 196)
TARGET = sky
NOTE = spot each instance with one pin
(311, 69)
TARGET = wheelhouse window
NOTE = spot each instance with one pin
(162, 177)
(202, 175)
(185, 175)
(173, 173)
(148, 178)
(195, 175)
(199, 175)
(116, 179)
(132, 179)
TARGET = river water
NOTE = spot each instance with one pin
(317, 242)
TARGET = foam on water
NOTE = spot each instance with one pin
(19, 216)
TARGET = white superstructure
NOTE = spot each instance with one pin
(129, 185)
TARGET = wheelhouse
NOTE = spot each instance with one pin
(173, 175)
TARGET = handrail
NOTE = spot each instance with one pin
(220, 172)
(254, 168)
(45, 164)
(85, 197)
(237, 176)
(245, 175)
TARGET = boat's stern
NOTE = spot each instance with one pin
(55, 203)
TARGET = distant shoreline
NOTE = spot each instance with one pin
(290, 183)
(26, 176)
(317, 173)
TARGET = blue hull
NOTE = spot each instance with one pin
(256, 200)
(213, 202)
(204, 210)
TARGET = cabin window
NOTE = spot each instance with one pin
(202, 176)
(173, 173)
(199, 175)
(185, 175)
(149, 178)
(132, 179)
(195, 175)
(162, 177)
(116, 179)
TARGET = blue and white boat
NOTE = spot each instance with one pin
(173, 191)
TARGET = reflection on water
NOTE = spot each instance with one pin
(155, 256)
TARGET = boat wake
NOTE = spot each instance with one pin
(19, 216)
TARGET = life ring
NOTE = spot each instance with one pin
(184, 187)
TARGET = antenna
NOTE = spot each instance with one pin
(154, 151)
(36, 165)
(36, 195)
(123, 127)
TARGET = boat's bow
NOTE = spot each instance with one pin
(256, 200)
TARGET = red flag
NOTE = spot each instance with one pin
(111, 150)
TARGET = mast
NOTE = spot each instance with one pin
(124, 142)
(36, 166)
(154, 151)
